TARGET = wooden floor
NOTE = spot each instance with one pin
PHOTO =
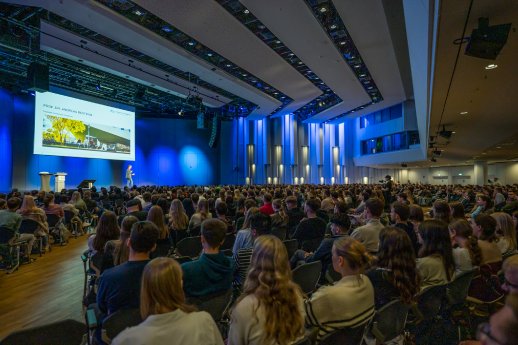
(47, 290)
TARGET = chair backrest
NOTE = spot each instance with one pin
(331, 275)
(66, 332)
(291, 247)
(189, 246)
(68, 216)
(457, 290)
(430, 300)
(119, 321)
(28, 226)
(6, 235)
(229, 242)
(307, 276)
(344, 336)
(162, 249)
(215, 305)
(195, 231)
(389, 321)
(53, 220)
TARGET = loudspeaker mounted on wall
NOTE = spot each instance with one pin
(38, 77)
(200, 123)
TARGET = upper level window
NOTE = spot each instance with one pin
(381, 116)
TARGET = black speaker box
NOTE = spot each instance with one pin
(38, 77)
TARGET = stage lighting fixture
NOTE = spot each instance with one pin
(404, 165)
(437, 152)
(486, 41)
(433, 160)
(444, 133)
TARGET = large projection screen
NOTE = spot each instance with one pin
(66, 126)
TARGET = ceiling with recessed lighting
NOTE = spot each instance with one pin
(480, 105)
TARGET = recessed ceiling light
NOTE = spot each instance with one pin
(278, 42)
(491, 66)
(484, 153)
(246, 11)
(228, 65)
(363, 75)
(300, 62)
(499, 147)
(453, 132)
(138, 13)
(323, 9)
(357, 66)
(463, 112)
(244, 74)
(342, 43)
(209, 54)
(191, 43)
(333, 26)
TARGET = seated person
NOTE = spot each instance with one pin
(213, 272)
(510, 269)
(244, 236)
(260, 224)
(221, 214)
(295, 214)
(12, 220)
(350, 301)
(311, 229)
(399, 213)
(134, 208)
(167, 318)
(369, 233)
(340, 225)
(119, 287)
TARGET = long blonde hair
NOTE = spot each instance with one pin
(28, 204)
(161, 289)
(156, 216)
(203, 209)
(505, 227)
(178, 219)
(269, 280)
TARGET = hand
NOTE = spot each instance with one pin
(306, 254)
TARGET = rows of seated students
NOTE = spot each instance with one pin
(381, 256)
(45, 216)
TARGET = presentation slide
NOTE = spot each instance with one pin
(67, 126)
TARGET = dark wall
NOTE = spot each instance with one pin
(168, 152)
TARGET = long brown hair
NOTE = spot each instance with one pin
(161, 289)
(251, 211)
(178, 219)
(156, 216)
(437, 242)
(269, 279)
(463, 229)
(396, 254)
(505, 227)
(107, 229)
(441, 211)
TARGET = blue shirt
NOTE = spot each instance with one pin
(119, 287)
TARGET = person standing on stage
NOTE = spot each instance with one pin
(129, 178)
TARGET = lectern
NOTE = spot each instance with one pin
(45, 180)
(59, 181)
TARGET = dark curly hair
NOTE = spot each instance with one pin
(396, 253)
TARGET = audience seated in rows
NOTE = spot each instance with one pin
(368, 234)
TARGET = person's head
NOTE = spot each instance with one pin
(311, 206)
(161, 289)
(260, 224)
(373, 208)
(107, 229)
(505, 228)
(416, 214)
(291, 202)
(267, 198)
(457, 210)
(277, 205)
(484, 227)
(156, 216)
(349, 256)
(129, 167)
(434, 237)
(176, 208)
(399, 212)
(502, 328)
(127, 224)
(340, 207)
(221, 209)
(133, 205)
(396, 253)
(402, 197)
(213, 232)
(269, 279)
(147, 196)
(340, 224)
(143, 237)
(13, 204)
(76, 196)
(3, 204)
(462, 233)
(441, 211)
(484, 201)
(388, 178)
(203, 206)
(510, 269)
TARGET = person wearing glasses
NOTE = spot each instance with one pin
(502, 328)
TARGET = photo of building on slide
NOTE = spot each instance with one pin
(68, 133)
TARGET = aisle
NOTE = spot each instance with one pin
(47, 290)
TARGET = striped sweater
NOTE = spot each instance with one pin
(347, 303)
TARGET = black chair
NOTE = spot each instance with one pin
(215, 304)
(10, 249)
(119, 321)
(163, 248)
(291, 247)
(344, 336)
(190, 246)
(29, 226)
(307, 276)
(389, 321)
(332, 276)
(55, 222)
(195, 231)
(456, 293)
(72, 226)
(66, 332)
(176, 236)
(229, 242)
(429, 304)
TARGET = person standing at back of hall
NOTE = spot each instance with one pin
(129, 176)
